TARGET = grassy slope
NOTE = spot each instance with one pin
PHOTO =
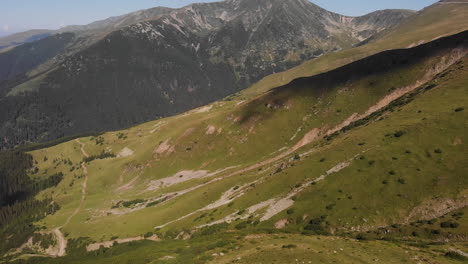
(359, 181)
(249, 132)
(237, 140)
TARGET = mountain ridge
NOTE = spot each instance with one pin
(215, 49)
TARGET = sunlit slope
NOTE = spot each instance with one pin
(250, 162)
(430, 23)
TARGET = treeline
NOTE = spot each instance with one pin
(18, 221)
(14, 180)
(18, 207)
(103, 155)
(15, 184)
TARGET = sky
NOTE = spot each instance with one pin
(22, 15)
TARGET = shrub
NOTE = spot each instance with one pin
(459, 109)
(449, 224)
(148, 234)
(399, 133)
(455, 255)
(209, 230)
(99, 141)
(103, 155)
(132, 202)
(384, 182)
(317, 226)
(438, 151)
(241, 225)
(458, 215)
(290, 211)
(392, 172)
(289, 246)
(401, 181)
(361, 237)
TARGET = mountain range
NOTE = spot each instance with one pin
(159, 62)
(355, 156)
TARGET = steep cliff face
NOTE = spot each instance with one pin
(179, 60)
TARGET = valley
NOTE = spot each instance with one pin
(356, 156)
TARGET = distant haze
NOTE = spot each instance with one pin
(22, 15)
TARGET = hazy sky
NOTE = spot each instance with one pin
(21, 15)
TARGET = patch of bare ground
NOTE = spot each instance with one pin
(125, 152)
(436, 208)
(281, 204)
(164, 148)
(281, 223)
(227, 197)
(128, 185)
(183, 176)
(157, 126)
(210, 130)
(110, 243)
(203, 109)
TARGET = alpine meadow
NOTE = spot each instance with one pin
(239, 131)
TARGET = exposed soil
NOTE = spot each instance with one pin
(164, 148)
(210, 130)
(436, 208)
(108, 244)
(126, 152)
(281, 223)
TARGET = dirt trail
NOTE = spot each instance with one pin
(84, 185)
(61, 241)
(83, 151)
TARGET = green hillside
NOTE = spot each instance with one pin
(362, 161)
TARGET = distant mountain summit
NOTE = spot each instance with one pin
(159, 62)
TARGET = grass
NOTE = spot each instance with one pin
(238, 140)
(261, 248)
(395, 166)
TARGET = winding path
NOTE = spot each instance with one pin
(61, 241)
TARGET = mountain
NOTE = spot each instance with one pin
(23, 37)
(113, 23)
(358, 156)
(173, 61)
(335, 162)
